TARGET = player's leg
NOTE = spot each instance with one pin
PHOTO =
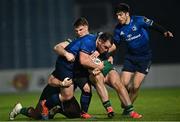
(137, 80)
(30, 111)
(127, 74)
(71, 108)
(98, 81)
(125, 77)
(142, 70)
(113, 80)
(66, 94)
(86, 94)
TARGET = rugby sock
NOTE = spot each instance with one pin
(107, 104)
(128, 109)
(53, 101)
(24, 111)
(85, 101)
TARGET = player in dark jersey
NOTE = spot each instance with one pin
(81, 28)
(134, 31)
(65, 68)
(82, 79)
(70, 109)
(82, 48)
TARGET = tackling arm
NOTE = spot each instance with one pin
(57, 83)
(86, 61)
(60, 50)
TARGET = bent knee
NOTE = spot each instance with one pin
(66, 95)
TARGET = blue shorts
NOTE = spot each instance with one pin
(63, 69)
(137, 64)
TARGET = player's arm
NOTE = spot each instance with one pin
(60, 50)
(155, 26)
(86, 61)
(57, 83)
(161, 29)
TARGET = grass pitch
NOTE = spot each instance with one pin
(154, 104)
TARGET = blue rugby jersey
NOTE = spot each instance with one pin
(86, 44)
(135, 34)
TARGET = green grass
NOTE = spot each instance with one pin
(154, 104)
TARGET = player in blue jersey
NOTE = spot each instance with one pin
(81, 28)
(82, 81)
(134, 31)
(81, 47)
(71, 109)
(82, 31)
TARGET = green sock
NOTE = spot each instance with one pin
(107, 104)
(128, 109)
(24, 111)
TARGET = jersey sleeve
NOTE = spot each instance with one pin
(87, 46)
(145, 22)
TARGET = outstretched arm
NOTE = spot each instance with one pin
(162, 30)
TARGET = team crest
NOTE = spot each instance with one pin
(121, 33)
(134, 28)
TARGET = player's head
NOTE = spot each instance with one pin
(104, 42)
(122, 13)
(81, 27)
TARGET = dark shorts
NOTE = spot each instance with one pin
(48, 91)
(80, 82)
(137, 64)
(81, 77)
(71, 108)
(63, 69)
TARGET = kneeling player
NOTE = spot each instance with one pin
(69, 108)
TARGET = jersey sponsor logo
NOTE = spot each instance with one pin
(129, 35)
(134, 37)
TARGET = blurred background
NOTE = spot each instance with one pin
(30, 28)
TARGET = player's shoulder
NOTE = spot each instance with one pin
(138, 18)
(88, 37)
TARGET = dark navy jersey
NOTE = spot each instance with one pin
(135, 34)
(85, 44)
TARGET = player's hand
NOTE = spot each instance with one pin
(110, 59)
(96, 71)
(94, 55)
(168, 34)
(66, 82)
(69, 56)
(101, 65)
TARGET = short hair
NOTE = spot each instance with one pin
(106, 37)
(81, 21)
(122, 7)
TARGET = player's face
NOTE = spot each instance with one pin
(103, 46)
(122, 17)
(81, 30)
